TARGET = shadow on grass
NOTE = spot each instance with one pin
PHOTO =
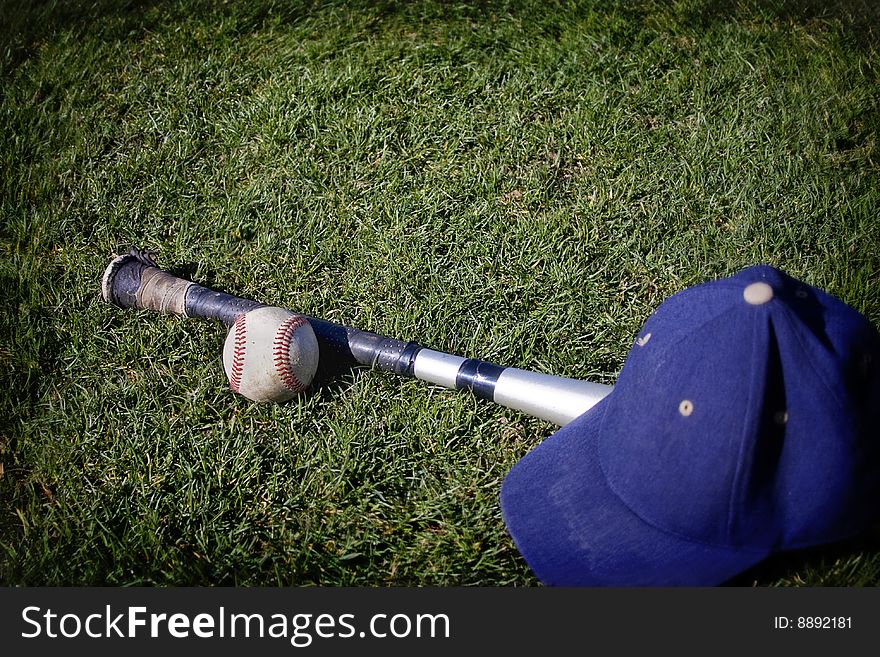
(24, 24)
(859, 19)
(817, 565)
(30, 347)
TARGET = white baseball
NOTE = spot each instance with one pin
(270, 354)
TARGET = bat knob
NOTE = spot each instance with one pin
(141, 257)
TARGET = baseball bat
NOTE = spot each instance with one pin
(134, 280)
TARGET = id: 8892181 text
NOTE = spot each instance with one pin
(813, 623)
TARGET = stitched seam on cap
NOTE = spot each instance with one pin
(737, 476)
(730, 308)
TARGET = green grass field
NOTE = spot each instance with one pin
(522, 182)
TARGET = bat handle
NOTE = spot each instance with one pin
(134, 280)
(204, 302)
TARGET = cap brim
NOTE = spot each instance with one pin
(573, 530)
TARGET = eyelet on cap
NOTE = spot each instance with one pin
(757, 293)
(686, 407)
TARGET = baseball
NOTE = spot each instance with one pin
(270, 354)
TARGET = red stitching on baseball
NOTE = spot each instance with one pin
(238, 353)
(282, 352)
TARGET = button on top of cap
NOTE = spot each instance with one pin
(757, 293)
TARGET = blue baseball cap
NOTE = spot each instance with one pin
(745, 422)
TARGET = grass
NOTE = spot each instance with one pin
(522, 182)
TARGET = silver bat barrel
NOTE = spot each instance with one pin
(553, 398)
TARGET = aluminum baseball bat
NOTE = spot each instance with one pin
(134, 280)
